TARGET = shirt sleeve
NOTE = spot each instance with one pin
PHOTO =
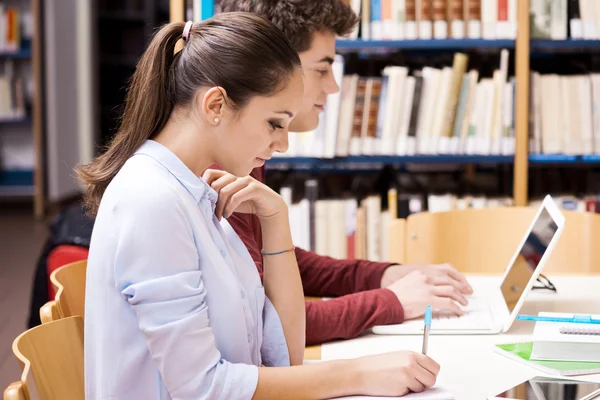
(158, 273)
(346, 317)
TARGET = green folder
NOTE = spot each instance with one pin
(521, 352)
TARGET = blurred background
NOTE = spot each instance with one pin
(444, 104)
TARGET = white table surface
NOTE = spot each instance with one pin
(470, 368)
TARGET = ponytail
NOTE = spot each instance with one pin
(148, 105)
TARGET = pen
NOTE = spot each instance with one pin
(426, 329)
(577, 319)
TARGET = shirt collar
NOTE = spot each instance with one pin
(195, 185)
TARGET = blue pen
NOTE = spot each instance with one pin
(426, 329)
(577, 319)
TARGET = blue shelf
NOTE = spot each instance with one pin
(569, 44)
(21, 54)
(369, 162)
(16, 178)
(434, 44)
(15, 121)
(553, 158)
(16, 183)
(592, 158)
(457, 44)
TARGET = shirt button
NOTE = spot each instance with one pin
(243, 295)
(223, 253)
(249, 338)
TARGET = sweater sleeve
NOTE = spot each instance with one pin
(326, 276)
(346, 317)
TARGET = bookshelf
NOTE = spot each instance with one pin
(21, 125)
(522, 49)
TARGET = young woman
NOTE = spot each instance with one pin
(175, 308)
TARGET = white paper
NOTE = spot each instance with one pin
(434, 393)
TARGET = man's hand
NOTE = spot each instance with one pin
(440, 274)
(416, 291)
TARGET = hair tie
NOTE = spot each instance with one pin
(186, 30)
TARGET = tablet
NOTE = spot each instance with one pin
(540, 388)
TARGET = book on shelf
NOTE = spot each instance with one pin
(449, 110)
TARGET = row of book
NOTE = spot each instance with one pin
(474, 19)
(348, 228)
(564, 114)
(435, 19)
(431, 111)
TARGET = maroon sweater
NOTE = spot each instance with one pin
(362, 303)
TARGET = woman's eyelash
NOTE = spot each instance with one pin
(275, 125)
(322, 72)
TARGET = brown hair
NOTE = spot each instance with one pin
(299, 19)
(241, 52)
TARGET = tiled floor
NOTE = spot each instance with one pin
(21, 240)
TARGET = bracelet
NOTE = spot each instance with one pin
(264, 253)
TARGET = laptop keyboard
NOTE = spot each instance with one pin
(477, 315)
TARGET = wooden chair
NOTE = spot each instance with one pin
(51, 358)
(483, 241)
(69, 283)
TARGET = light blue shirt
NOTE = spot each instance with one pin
(175, 308)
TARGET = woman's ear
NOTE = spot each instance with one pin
(213, 105)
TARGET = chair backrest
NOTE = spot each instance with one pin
(15, 391)
(69, 283)
(397, 241)
(53, 354)
(483, 241)
(49, 312)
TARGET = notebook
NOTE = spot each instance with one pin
(521, 352)
(558, 341)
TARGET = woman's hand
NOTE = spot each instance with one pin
(243, 195)
(397, 373)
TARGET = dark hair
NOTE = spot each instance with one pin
(244, 54)
(299, 19)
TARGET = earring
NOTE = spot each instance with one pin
(216, 120)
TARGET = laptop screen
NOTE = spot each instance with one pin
(528, 259)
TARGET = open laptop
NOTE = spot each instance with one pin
(494, 309)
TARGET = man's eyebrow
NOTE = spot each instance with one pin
(289, 113)
(326, 59)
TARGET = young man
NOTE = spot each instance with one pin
(368, 293)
